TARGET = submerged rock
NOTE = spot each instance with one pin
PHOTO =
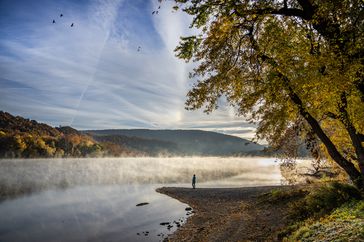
(142, 204)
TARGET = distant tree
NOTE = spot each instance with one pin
(293, 66)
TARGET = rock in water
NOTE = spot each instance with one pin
(141, 204)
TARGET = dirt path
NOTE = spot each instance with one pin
(228, 214)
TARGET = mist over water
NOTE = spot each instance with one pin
(95, 199)
(210, 171)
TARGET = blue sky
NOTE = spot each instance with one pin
(91, 76)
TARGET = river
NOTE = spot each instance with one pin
(95, 199)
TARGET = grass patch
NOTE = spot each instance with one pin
(283, 195)
(345, 223)
(331, 212)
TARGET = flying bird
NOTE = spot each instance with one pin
(156, 11)
(139, 48)
(72, 25)
(54, 21)
(61, 15)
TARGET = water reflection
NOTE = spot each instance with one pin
(89, 213)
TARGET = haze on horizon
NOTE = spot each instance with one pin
(91, 75)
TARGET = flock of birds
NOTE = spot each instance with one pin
(139, 47)
(61, 15)
(154, 12)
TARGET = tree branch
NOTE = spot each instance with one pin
(361, 137)
(355, 138)
(267, 11)
(307, 7)
(331, 115)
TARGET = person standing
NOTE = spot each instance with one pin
(194, 181)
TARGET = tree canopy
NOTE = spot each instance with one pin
(295, 67)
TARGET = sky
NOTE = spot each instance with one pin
(92, 76)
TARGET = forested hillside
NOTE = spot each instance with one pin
(20, 137)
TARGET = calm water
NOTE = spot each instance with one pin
(95, 199)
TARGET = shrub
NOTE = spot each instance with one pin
(323, 200)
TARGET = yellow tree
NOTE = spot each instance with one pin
(291, 65)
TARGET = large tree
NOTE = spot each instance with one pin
(294, 65)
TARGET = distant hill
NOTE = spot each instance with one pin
(149, 147)
(24, 138)
(178, 142)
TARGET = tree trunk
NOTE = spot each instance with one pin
(353, 133)
(355, 175)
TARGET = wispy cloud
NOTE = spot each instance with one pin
(92, 76)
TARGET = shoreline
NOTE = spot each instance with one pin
(229, 214)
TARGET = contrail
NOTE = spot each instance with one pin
(88, 83)
(98, 61)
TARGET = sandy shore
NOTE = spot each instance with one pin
(229, 214)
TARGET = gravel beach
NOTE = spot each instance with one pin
(229, 214)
